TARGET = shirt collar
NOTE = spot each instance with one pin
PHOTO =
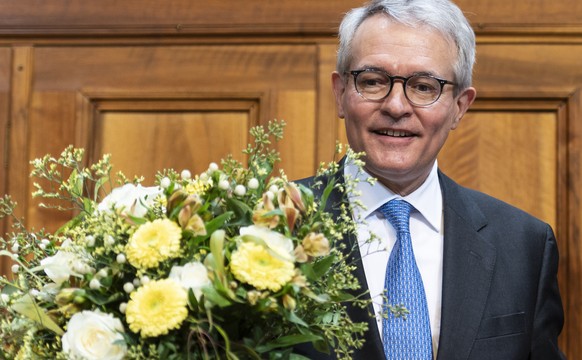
(427, 199)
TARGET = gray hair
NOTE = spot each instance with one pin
(442, 15)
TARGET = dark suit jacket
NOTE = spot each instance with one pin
(500, 297)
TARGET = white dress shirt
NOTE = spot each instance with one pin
(426, 230)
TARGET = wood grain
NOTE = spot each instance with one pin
(179, 84)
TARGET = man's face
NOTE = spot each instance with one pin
(401, 141)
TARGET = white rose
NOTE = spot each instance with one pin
(192, 275)
(130, 199)
(279, 244)
(94, 335)
(62, 265)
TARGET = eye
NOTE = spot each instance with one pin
(370, 79)
(423, 85)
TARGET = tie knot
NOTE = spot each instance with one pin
(397, 212)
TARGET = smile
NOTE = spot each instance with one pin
(395, 133)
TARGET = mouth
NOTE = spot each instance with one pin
(394, 133)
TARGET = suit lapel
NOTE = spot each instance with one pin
(372, 348)
(468, 265)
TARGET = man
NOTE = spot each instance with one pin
(488, 270)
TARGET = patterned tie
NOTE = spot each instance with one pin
(410, 338)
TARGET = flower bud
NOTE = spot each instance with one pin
(223, 185)
(185, 174)
(176, 199)
(109, 240)
(299, 280)
(295, 195)
(212, 167)
(300, 255)
(196, 225)
(316, 244)
(90, 240)
(165, 183)
(128, 287)
(289, 302)
(121, 259)
(253, 184)
(70, 309)
(104, 272)
(184, 216)
(65, 296)
(95, 284)
(240, 190)
(259, 214)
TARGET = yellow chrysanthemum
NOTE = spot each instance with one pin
(157, 307)
(254, 265)
(153, 242)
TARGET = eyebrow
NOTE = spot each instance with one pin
(417, 73)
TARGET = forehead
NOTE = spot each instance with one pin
(382, 42)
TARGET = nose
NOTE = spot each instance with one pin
(396, 105)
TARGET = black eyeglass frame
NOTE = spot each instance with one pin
(404, 80)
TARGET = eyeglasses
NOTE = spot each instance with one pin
(420, 90)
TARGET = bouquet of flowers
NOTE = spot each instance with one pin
(232, 263)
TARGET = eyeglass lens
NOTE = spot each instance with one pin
(420, 89)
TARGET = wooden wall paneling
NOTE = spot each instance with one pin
(508, 149)
(571, 263)
(121, 96)
(298, 17)
(50, 130)
(181, 16)
(328, 125)
(17, 148)
(5, 67)
(150, 132)
(82, 72)
(297, 149)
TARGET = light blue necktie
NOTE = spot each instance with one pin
(410, 338)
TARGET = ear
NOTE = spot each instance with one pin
(339, 88)
(464, 101)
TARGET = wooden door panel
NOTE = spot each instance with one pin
(535, 67)
(143, 143)
(180, 68)
(509, 155)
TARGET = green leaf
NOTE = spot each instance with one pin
(88, 205)
(26, 306)
(291, 316)
(297, 357)
(214, 297)
(216, 249)
(192, 299)
(306, 194)
(98, 184)
(307, 270)
(322, 266)
(100, 299)
(242, 212)
(218, 222)
(288, 341)
(76, 182)
(71, 224)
